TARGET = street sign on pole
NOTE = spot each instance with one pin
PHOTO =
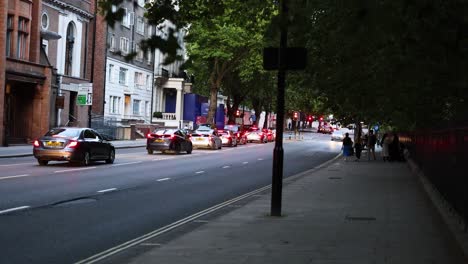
(85, 94)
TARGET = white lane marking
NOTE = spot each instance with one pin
(107, 190)
(87, 168)
(225, 167)
(198, 172)
(245, 162)
(151, 244)
(163, 179)
(16, 164)
(14, 209)
(112, 251)
(260, 159)
(128, 163)
(14, 176)
(163, 159)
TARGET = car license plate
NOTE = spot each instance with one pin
(159, 140)
(54, 144)
(200, 139)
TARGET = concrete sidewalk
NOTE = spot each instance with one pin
(348, 212)
(27, 150)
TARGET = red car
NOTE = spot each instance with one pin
(240, 134)
(269, 134)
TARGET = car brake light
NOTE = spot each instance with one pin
(72, 144)
(36, 143)
(172, 136)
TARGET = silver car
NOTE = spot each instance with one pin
(206, 139)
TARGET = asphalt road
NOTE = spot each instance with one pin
(63, 214)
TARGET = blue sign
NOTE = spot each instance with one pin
(205, 107)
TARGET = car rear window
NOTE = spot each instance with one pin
(63, 132)
(165, 132)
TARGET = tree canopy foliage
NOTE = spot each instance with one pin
(402, 63)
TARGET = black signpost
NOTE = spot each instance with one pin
(281, 59)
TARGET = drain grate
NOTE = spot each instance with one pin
(360, 218)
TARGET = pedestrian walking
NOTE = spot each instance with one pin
(371, 141)
(385, 143)
(358, 148)
(347, 147)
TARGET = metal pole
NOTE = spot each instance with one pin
(278, 152)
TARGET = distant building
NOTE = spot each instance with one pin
(129, 84)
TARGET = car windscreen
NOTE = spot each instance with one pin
(232, 128)
(63, 132)
(165, 132)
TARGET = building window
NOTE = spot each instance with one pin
(149, 57)
(23, 33)
(139, 81)
(124, 45)
(147, 110)
(111, 41)
(110, 73)
(148, 82)
(136, 107)
(45, 21)
(140, 27)
(140, 54)
(150, 30)
(114, 106)
(9, 35)
(123, 76)
(128, 18)
(70, 41)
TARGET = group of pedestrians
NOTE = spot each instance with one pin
(392, 149)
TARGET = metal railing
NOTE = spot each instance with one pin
(442, 155)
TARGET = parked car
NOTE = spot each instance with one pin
(206, 139)
(256, 136)
(73, 144)
(163, 140)
(241, 137)
(325, 129)
(228, 138)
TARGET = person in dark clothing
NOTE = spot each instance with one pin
(371, 141)
(358, 148)
(394, 148)
(347, 146)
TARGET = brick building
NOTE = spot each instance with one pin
(25, 75)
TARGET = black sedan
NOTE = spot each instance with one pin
(73, 144)
(163, 140)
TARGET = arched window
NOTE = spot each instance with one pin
(70, 40)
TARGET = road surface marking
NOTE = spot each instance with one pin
(163, 179)
(128, 163)
(151, 244)
(139, 240)
(87, 168)
(14, 209)
(16, 164)
(14, 176)
(245, 162)
(201, 221)
(225, 167)
(260, 159)
(198, 172)
(107, 190)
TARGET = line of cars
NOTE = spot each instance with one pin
(177, 140)
(85, 145)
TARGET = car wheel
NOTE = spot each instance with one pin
(42, 162)
(177, 148)
(150, 151)
(189, 150)
(111, 158)
(86, 159)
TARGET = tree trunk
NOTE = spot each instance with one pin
(213, 104)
